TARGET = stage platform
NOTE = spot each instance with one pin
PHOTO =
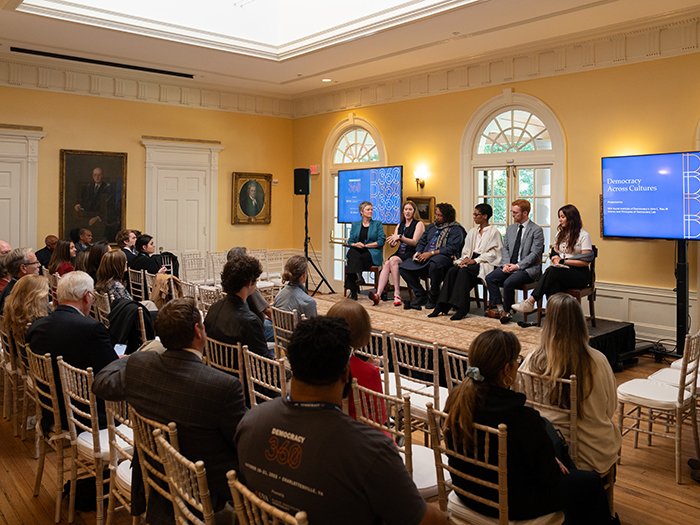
(611, 338)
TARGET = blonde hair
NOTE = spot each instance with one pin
(563, 349)
(29, 300)
(490, 352)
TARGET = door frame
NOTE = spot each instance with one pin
(202, 155)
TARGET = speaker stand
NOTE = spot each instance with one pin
(306, 252)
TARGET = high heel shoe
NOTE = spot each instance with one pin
(458, 315)
(439, 309)
(374, 297)
(397, 300)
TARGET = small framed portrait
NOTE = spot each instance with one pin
(92, 193)
(251, 198)
(426, 208)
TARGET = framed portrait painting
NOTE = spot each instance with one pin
(251, 198)
(426, 208)
(92, 193)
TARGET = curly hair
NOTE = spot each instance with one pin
(448, 211)
(239, 272)
(319, 350)
(28, 301)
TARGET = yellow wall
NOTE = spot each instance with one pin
(251, 144)
(642, 108)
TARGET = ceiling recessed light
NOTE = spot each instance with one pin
(326, 80)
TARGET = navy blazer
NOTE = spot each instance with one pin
(376, 234)
(82, 341)
(446, 253)
(531, 248)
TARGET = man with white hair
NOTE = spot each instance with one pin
(19, 262)
(70, 332)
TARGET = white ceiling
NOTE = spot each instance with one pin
(264, 47)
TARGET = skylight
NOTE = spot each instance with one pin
(273, 29)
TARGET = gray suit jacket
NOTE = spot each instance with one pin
(206, 404)
(531, 248)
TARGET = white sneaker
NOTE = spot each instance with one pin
(524, 307)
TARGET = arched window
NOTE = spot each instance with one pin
(354, 143)
(515, 150)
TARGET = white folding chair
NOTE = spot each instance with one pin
(265, 377)
(137, 285)
(121, 456)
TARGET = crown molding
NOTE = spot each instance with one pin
(657, 39)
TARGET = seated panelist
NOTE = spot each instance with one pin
(366, 242)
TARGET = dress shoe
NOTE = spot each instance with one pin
(493, 313)
(458, 315)
(505, 318)
(439, 309)
(397, 301)
(374, 298)
(525, 307)
(694, 463)
(430, 304)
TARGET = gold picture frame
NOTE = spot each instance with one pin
(426, 208)
(92, 193)
(251, 198)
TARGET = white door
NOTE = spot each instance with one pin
(10, 183)
(181, 210)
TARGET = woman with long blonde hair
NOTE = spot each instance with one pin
(564, 350)
(28, 301)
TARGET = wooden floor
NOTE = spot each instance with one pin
(645, 493)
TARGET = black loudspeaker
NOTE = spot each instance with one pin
(302, 181)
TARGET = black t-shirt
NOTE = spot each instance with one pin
(313, 457)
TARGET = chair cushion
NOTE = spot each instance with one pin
(424, 473)
(652, 394)
(84, 442)
(670, 376)
(678, 363)
(460, 513)
(123, 478)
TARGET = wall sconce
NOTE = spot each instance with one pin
(420, 173)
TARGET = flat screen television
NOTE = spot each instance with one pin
(380, 186)
(652, 196)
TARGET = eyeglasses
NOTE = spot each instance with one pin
(32, 263)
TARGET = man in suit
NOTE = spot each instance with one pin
(230, 320)
(126, 239)
(522, 258)
(71, 333)
(435, 251)
(18, 263)
(98, 205)
(252, 198)
(44, 255)
(175, 385)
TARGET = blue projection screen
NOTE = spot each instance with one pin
(652, 196)
(380, 186)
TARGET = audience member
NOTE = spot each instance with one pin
(481, 253)
(20, 262)
(366, 372)
(288, 449)
(62, 259)
(206, 404)
(256, 302)
(146, 257)
(126, 239)
(538, 482)
(439, 245)
(84, 240)
(110, 276)
(571, 254)
(563, 351)
(44, 255)
(94, 257)
(293, 295)
(406, 235)
(230, 320)
(521, 261)
(366, 241)
(28, 301)
(70, 332)
(5, 276)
